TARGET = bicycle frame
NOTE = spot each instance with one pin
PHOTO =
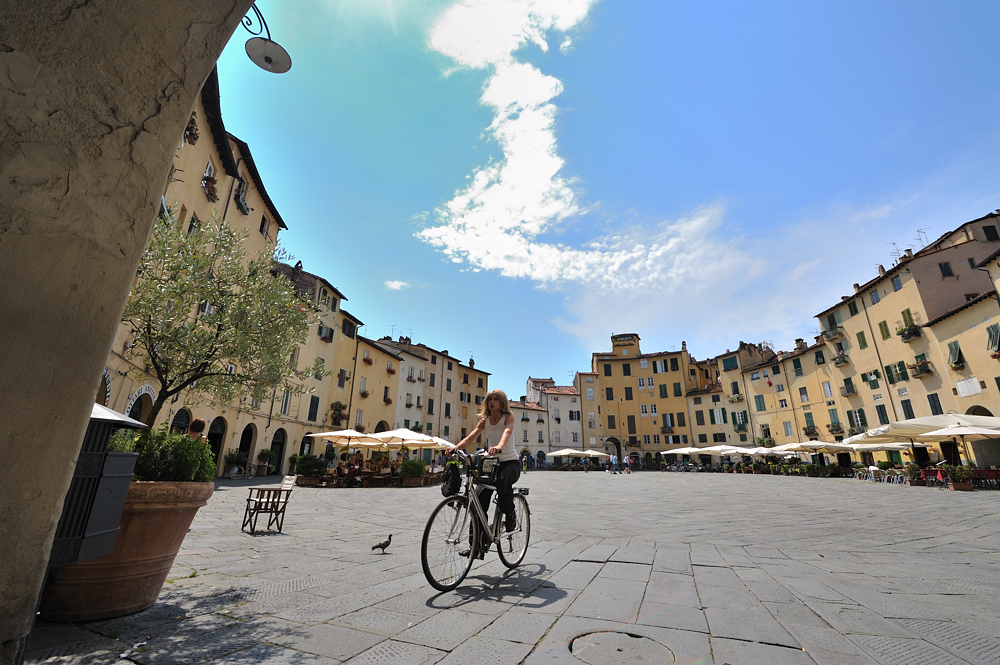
(479, 513)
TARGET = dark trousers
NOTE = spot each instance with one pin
(509, 473)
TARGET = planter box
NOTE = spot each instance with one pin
(413, 482)
(960, 487)
(916, 482)
(308, 481)
(155, 520)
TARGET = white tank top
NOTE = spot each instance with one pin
(493, 434)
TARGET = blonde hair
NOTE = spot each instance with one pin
(484, 409)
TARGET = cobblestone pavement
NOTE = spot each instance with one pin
(665, 567)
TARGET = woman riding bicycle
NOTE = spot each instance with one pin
(496, 419)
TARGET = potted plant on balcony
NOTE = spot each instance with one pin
(172, 480)
(368, 361)
(412, 472)
(210, 185)
(191, 131)
(907, 333)
(364, 393)
(309, 471)
(959, 478)
(840, 359)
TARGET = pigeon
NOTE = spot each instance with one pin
(384, 544)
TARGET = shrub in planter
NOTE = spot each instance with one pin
(812, 470)
(884, 465)
(413, 468)
(171, 482)
(310, 466)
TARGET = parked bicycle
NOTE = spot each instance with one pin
(243, 472)
(455, 528)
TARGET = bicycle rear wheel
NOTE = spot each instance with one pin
(235, 473)
(514, 544)
(251, 471)
(447, 534)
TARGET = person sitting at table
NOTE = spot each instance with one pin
(340, 470)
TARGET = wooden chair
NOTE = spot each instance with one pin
(271, 501)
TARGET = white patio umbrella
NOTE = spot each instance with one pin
(346, 438)
(958, 430)
(568, 452)
(814, 447)
(722, 449)
(682, 451)
(904, 430)
(406, 437)
(596, 453)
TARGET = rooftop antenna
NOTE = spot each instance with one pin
(895, 253)
(392, 331)
(922, 237)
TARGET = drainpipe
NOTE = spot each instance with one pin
(996, 296)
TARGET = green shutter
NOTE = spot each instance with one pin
(663, 390)
(903, 376)
(711, 412)
(862, 342)
(954, 352)
(834, 418)
(759, 401)
(861, 419)
(809, 420)
(907, 317)
(993, 340)
(889, 376)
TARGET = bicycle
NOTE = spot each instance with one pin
(247, 472)
(448, 530)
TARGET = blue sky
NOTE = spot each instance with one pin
(517, 181)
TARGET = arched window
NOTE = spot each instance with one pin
(179, 425)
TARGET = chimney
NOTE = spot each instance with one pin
(472, 363)
(908, 253)
(800, 344)
(857, 287)
(684, 345)
(881, 271)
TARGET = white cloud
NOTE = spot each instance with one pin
(396, 285)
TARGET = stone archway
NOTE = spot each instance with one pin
(85, 155)
(278, 448)
(248, 438)
(381, 427)
(978, 410)
(216, 435)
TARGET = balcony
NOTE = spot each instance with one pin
(525, 419)
(409, 405)
(833, 333)
(846, 391)
(368, 361)
(909, 333)
(540, 420)
(853, 431)
(387, 400)
(411, 379)
(420, 379)
(364, 393)
(835, 428)
(666, 430)
(840, 360)
(810, 430)
(739, 427)
(390, 371)
(920, 370)
(735, 398)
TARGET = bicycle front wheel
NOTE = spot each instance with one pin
(251, 471)
(445, 536)
(235, 473)
(513, 544)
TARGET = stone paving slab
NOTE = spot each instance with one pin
(824, 580)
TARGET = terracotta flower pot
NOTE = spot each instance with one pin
(156, 518)
(916, 482)
(960, 487)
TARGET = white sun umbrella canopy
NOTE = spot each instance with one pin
(595, 453)
(904, 430)
(346, 437)
(722, 450)
(568, 452)
(683, 451)
(971, 432)
(405, 437)
(814, 447)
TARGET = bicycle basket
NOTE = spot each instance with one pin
(486, 470)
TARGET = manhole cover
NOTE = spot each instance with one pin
(619, 648)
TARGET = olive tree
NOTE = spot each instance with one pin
(204, 317)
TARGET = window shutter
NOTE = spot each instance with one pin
(954, 352)
(663, 390)
(656, 367)
(711, 412)
(861, 419)
(889, 377)
(994, 336)
(902, 371)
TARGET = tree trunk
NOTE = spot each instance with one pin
(161, 399)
